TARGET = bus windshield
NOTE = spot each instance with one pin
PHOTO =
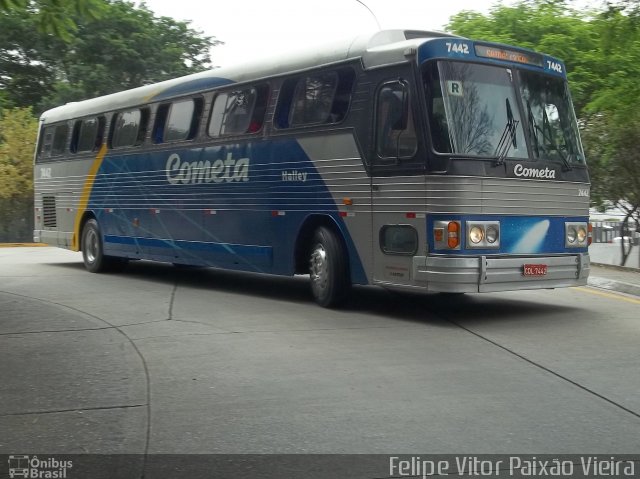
(474, 111)
(551, 123)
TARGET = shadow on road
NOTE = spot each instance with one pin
(434, 308)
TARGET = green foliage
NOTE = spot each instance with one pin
(602, 54)
(55, 16)
(546, 26)
(18, 130)
(125, 47)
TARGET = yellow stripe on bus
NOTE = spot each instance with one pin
(84, 197)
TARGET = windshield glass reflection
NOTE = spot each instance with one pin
(551, 120)
(473, 111)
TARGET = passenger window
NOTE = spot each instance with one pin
(177, 121)
(60, 139)
(180, 120)
(396, 135)
(129, 128)
(238, 112)
(88, 135)
(46, 142)
(313, 99)
(321, 98)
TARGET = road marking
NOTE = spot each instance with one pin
(608, 295)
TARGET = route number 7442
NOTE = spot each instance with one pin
(457, 48)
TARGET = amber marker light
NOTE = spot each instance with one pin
(453, 234)
(347, 201)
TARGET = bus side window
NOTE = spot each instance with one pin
(285, 99)
(239, 112)
(313, 99)
(129, 128)
(46, 142)
(60, 139)
(87, 135)
(396, 135)
(342, 98)
(321, 98)
(160, 123)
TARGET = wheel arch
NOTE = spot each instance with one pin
(86, 216)
(305, 235)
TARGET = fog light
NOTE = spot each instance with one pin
(476, 234)
(582, 235)
(571, 234)
(492, 234)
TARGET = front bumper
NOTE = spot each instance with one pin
(486, 274)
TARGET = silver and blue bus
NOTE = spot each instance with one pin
(411, 160)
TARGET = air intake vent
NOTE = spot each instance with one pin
(49, 212)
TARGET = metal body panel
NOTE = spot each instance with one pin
(504, 196)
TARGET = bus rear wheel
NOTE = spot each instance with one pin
(328, 269)
(93, 255)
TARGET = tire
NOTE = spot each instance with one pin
(328, 268)
(93, 255)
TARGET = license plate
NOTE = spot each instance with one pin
(535, 270)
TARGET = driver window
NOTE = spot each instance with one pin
(396, 135)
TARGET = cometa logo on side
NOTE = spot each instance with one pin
(185, 172)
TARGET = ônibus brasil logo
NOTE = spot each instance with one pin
(185, 172)
(38, 468)
(520, 171)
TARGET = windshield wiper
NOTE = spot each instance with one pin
(533, 130)
(546, 126)
(508, 137)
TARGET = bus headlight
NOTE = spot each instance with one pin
(576, 235)
(476, 234)
(483, 234)
(492, 234)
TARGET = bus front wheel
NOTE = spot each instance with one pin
(328, 269)
(93, 250)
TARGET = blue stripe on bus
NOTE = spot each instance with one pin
(135, 184)
(244, 250)
(239, 257)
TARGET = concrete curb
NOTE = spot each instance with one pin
(616, 267)
(613, 285)
(21, 245)
(628, 283)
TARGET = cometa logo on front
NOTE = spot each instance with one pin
(522, 172)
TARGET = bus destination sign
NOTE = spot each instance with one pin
(509, 55)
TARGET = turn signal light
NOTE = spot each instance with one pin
(453, 234)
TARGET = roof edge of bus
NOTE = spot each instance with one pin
(288, 62)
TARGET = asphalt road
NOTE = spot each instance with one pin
(161, 360)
